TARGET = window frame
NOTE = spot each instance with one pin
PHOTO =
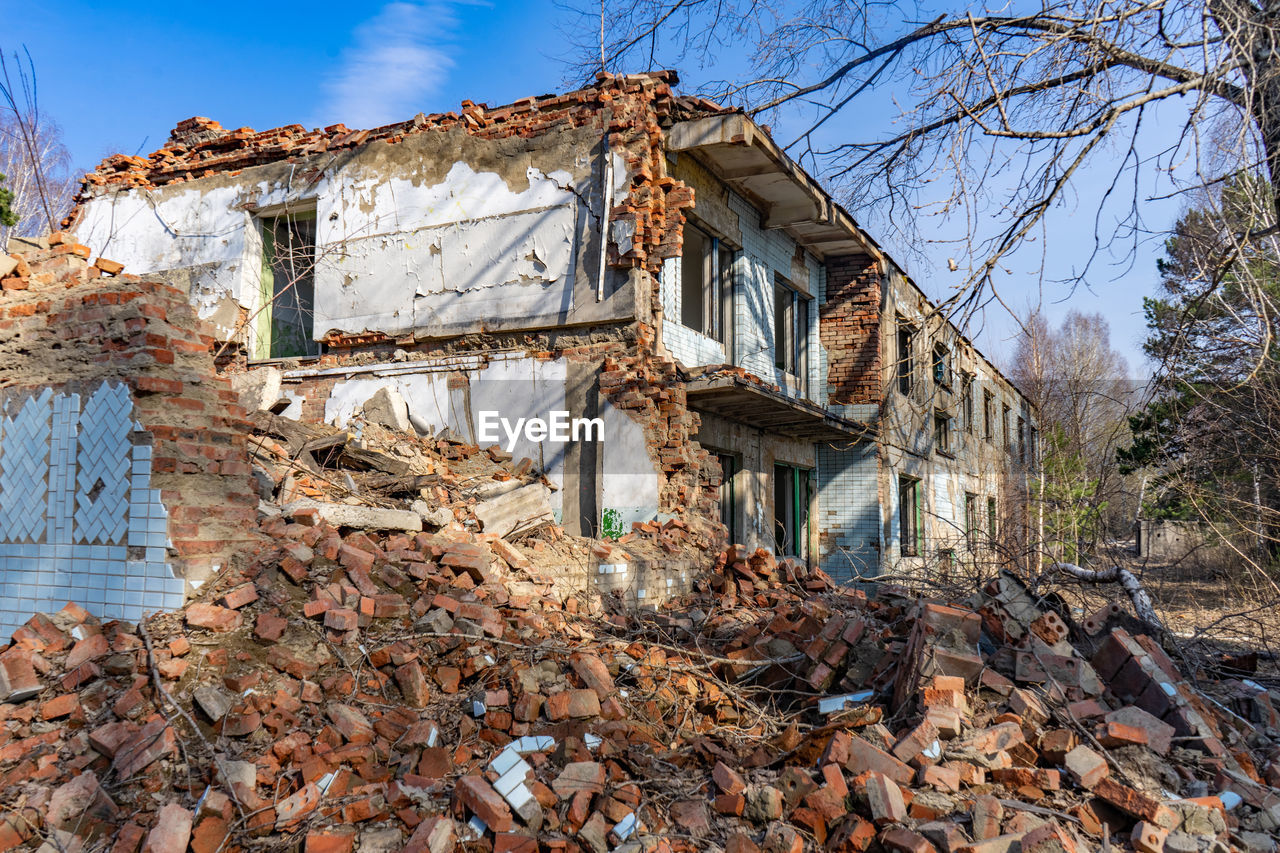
(715, 294)
(904, 363)
(988, 415)
(729, 507)
(790, 329)
(267, 343)
(941, 365)
(910, 524)
(966, 396)
(942, 432)
(971, 521)
(795, 485)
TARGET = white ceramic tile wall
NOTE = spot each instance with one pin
(79, 520)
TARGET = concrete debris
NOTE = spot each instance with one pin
(259, 389)
(517, 511)
(388, 407)
(360, 517)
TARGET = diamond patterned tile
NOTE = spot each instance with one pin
(24, 467)
(104, 462)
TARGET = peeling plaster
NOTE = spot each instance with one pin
(404, 254)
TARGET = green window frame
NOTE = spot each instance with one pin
(284, 327)
(791, 487)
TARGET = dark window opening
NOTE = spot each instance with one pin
(790, 329)
(1022, 441)
(971, 520)
(906, 367)
(966, 394)
(909, 515)
(706, 284)
(942, 432)
(942, 366)
(1005, 429)
(728, 499)
(988, 414)
(791, 510)
(286, 324)
(991, 518)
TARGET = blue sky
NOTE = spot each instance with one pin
(118, 77)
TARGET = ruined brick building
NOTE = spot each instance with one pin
(619, 252)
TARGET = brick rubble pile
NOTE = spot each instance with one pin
(430, 692)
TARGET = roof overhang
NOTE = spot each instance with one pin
(741, 153)
(741, 400)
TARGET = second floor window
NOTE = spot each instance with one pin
(966, 396)
(988, 414)
(942, 366)
(942, 432)
(906, 368)
(705, 284)
(285, 325)
(790, 329)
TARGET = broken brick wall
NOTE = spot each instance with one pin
(118, 441)
(648, 464)
(487, 220)
(849, 330)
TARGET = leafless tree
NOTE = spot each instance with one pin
(35, 162)
(997, 112)
(1079, 385)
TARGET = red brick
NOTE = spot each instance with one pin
(884, 797)
(297, 806)
(413, 685)
(172, 831)
(237, 597)
(727, 779)
(330, 841)
(59, 706)
(353, 725)
(478, 796)
(211, 617)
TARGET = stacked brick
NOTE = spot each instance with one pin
(430, 693)
(849, 330)
(70, 325)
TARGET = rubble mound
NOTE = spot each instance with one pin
(430, 692)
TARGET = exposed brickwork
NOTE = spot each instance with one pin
(649, 391)
(65, 326)
(849, 330)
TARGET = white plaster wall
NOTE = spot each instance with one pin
(392, 254)
(396, 255)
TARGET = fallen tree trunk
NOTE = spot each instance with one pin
(1128, 582)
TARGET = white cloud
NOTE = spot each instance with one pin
(395, 61)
